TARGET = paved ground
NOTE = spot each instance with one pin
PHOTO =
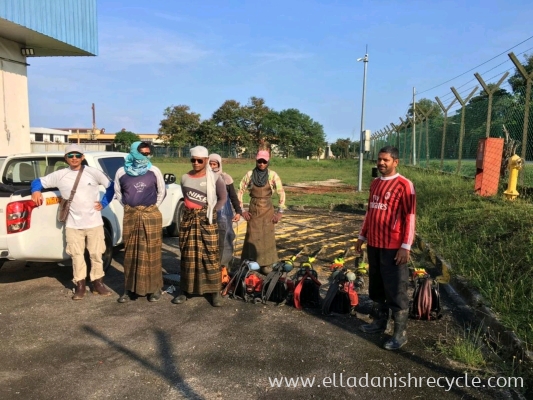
(53, 347)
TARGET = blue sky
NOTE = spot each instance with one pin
(294, 53)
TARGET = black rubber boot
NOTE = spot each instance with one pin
(182, 298)
(155, 296)
(381, 318)
(216, 299)
(399, 338)
(127, 296)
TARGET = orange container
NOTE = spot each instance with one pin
(488, 164)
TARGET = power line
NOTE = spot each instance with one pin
(470, 70)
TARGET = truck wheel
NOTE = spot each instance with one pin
(107, 256)
(173, 229)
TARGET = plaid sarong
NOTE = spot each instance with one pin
(198, 240)
(143, 230)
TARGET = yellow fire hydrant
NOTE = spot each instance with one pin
(515, 165)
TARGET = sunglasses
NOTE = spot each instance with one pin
(262, 161)
(197, 161)
(74, 155)
(145, 153)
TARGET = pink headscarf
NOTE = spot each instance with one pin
(228, 180)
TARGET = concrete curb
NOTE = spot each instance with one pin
(458, 286)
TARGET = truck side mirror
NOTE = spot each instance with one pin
(169, 178)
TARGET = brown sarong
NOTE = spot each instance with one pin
(143, 230)
(260, 241)
(198, 240)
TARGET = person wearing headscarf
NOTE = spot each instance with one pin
(140, 187)
(260, 241)
(225, 217)
(204, 194)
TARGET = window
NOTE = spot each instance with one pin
(110, 165)
(20, 172)
(39, 137)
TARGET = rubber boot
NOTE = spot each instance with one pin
(100, 288)
(156, 296)
(216, 299)
(182, 298)
(399, 338)
(381, 318)
(79, 292)
(127, 296)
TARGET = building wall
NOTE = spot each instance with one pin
(14, 107)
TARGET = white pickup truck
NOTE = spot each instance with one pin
(31, 233)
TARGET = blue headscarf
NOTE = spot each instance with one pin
(135, 164)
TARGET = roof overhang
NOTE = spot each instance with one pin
(43, 45)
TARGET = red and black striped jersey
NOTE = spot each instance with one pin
(390, 219)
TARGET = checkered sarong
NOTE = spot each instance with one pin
(143, 230)
(200, 269)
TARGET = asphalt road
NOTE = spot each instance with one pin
(52, 347)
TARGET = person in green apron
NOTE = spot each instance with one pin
(260, 241)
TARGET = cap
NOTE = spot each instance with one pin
(263, 154)
(74, 148)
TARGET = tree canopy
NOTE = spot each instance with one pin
(126, 138)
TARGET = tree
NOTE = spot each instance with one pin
(253, 114)
(125, 138)
(293, 132)
(179, 126)
(341, 148)
(208, 134)
(229, 119)
(517, 81)
(427, 106)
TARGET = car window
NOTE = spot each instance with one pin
(21, 171)
(110, 165)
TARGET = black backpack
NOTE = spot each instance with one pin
(426, 299)
(306, 288)
(277, 286)
(341, 297)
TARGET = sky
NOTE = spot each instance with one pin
(294, 54)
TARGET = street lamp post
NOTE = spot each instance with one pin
(362, 138)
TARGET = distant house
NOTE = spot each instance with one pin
(47, 135)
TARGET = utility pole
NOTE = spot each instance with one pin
(414, 127)
(362, 137)
(94, 124)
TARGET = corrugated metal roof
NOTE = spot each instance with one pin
(73, 22)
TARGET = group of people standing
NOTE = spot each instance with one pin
(206, 233)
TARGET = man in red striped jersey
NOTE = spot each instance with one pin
(389, 229)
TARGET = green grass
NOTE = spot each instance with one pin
(487, 240)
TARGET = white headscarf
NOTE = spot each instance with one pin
(202, 152)
(228, 180)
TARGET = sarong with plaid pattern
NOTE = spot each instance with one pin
(198, 240)
(143, 241)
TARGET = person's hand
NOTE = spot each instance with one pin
(37, 198)
(358, 246)
(236, 217)
(276, 217)
(98, 206)
(246, 215)
(402, 256)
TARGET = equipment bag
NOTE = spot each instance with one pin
(277, 286)
(306, 289)
(245, 284)
(341, 297)
(426, 299)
